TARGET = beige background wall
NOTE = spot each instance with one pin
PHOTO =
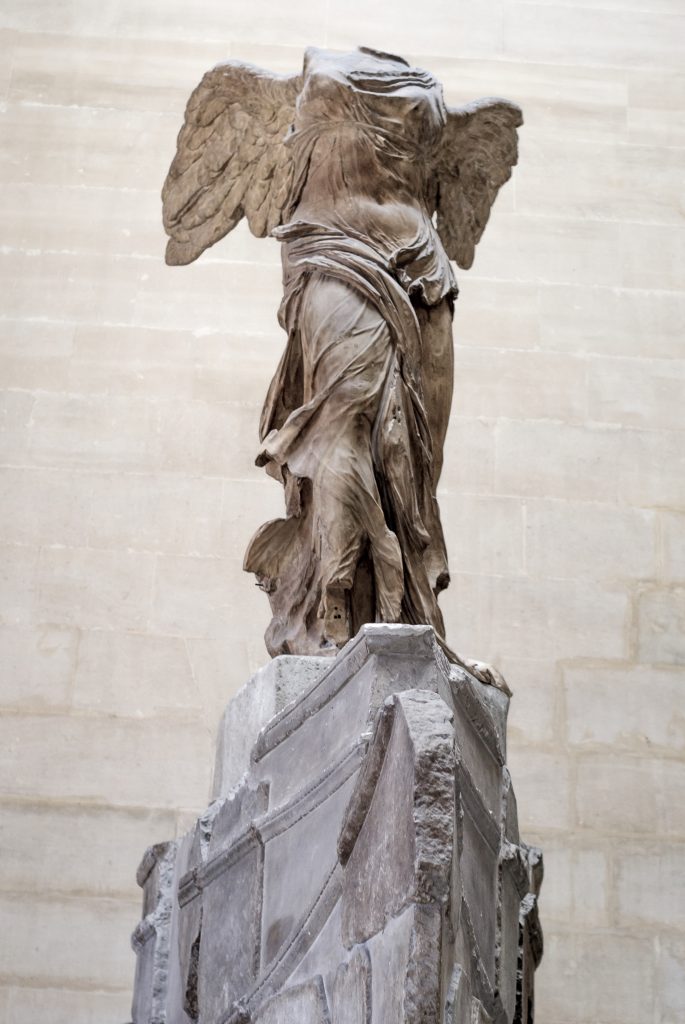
(130, 407)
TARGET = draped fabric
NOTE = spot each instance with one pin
(372, 184)
(345, 429)
(354, 421)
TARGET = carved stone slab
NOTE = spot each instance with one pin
(367, 868)
(151, 938)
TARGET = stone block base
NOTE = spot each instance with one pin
(366, 866)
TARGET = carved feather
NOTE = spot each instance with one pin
(475, 158)
(231, 161)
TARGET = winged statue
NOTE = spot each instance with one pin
(372, 185)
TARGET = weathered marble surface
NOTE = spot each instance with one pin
(367, 867)
(372, 184)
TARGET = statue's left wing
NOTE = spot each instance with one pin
(477, 151)
(230, 160)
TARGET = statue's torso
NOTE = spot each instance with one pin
(364, 130)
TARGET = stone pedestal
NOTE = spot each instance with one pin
(363, 866)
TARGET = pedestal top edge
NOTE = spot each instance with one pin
(388, 639)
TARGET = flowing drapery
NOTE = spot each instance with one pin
(345, 429)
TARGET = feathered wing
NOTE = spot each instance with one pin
(230, 160)
(477, 152)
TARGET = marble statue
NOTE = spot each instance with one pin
(372, 185)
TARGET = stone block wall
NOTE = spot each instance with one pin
(130, 402)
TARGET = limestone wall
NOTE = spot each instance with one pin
(130, 407)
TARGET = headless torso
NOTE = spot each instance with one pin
(364, 126)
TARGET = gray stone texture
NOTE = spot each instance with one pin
(366, 868)
(266, 693)
(151, 939)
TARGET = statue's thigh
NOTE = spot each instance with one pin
(437, 371)
(341, 329)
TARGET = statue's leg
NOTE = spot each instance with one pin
(437, 369)
(437, 373)
(347, 353)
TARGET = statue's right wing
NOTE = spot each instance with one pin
(230, 160)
